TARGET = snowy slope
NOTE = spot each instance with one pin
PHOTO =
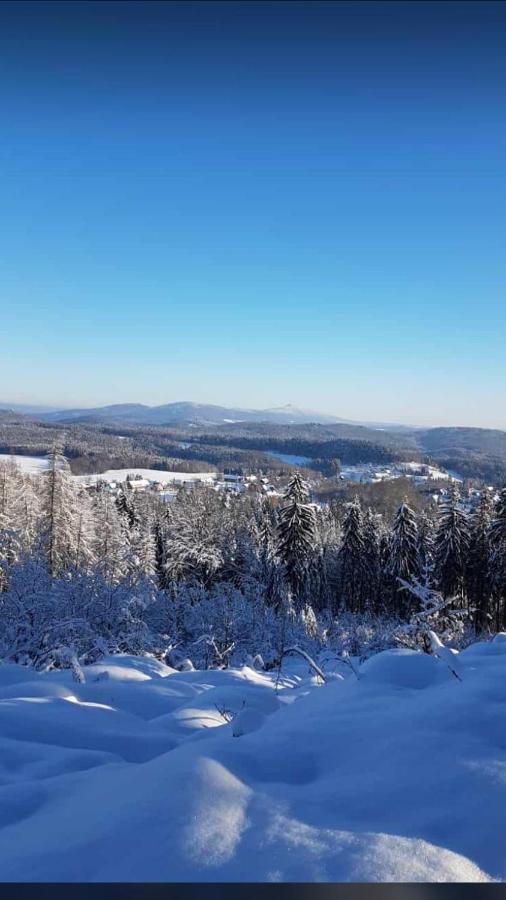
(136, 775)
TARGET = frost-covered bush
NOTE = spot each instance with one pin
(41, 618)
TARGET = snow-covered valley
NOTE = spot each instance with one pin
(142, 773)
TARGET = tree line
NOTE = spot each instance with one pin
(216, 576)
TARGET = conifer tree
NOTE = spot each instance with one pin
(372, 558)
(60, 513)
(126, 507)
(479, 581)
(352, 578)
(111, 548)
(403, 556)
(425, 543)
(142, 551)
(498, 559)
(451, 547)
(85, 537)
(296, 536)
(11, 485)
(159, 546)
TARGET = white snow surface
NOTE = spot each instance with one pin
(30, 465)
(148, 774)
(162, 476)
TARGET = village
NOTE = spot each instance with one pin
(429, 480)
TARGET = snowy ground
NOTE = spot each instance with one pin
(34, 465)
(136, 775)
(161, 475)
(31, 465)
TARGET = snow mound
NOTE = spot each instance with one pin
(397, 775)
(405, 669)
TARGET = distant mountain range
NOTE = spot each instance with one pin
(26, 409)
(186, 413)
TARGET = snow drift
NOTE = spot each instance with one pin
(143, 773)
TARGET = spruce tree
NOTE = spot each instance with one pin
(296, 536)
(425, 543)
(451, 547)
(479, 581)
(403, 556)
(498, 559)
(352, 579)
(372, 558)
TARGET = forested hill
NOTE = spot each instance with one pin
(349, 443)
(479, 440)
(473, 452)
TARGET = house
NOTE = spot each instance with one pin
(233, 487)
(137, 483)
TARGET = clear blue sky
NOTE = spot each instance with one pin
(255, 204)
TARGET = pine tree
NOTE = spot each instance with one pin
(451, 547)
(403, 556)
(296, 536)
(352, 579)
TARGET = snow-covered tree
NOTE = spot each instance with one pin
(479, 574)
(296, 535)
(193, 547)
(425, 542)
(497, 570)
(451, 547)
(111, 544)
(403, 555)
(142, 550)
(352, 571)
(431, 613)
(373, 530)
(61, 510)
(11, 496)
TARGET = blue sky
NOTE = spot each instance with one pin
(255, 204)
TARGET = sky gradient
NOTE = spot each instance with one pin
(255, 203)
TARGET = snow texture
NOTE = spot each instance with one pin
(145, 773)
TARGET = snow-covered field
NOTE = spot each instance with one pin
(135, 775)
(289, 458)
(31, 465)
(34, 465)
(370, 473)
(161, 475)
